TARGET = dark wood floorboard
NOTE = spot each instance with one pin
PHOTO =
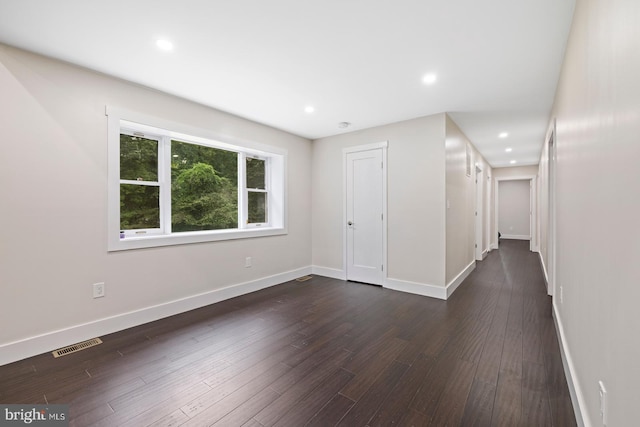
(326, 352)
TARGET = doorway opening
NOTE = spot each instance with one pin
(528, 231)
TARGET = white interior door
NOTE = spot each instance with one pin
(364, 214)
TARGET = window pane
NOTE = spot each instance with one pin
(139, 207)
(257, 207)
(255, 173)
(204, 188)
(138, 158)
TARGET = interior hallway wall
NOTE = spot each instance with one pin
(461, 200)
(597, 109)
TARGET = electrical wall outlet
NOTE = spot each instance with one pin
(247, 262)
(603, 402)
(98, 290)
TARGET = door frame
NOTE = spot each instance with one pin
(383, 145)
(551, 210)
(533, 216)
(479, 211)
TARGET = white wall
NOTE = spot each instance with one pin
(597, 108)
(53, 190)
(416, 188)
(428, 244)
(515, 171)
(460, 201)
(513, 209)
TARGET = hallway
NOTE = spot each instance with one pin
(326, 352)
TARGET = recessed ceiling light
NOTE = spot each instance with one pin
(344, 125)
(513, 162)
(429, 79)
(508, 149)
(503, 135)
(164, 44)
(309, 109)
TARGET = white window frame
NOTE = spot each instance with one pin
(122, 121)
(246, 190)
(160, 183)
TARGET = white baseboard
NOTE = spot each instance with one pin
(453, 285)
(577, 397)
(545, 275)
(333, 273)
(416, 288)
(494, 246)
(485, 253)
(395, 284)
(516, 237)
(18, 350)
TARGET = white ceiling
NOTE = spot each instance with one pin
(359, 61)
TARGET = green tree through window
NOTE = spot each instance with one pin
(140, 191)
(166, 187)
(204, 188)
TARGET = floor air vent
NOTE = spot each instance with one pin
(303, 278)
(76, 347)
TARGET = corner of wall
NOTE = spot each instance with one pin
(423, 289)
(457, 281)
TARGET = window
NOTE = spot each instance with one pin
(167, 187)
(257, 193)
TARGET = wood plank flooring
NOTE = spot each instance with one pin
(326, 352)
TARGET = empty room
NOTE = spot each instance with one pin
(319, 213)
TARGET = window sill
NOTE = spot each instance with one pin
(184, 238)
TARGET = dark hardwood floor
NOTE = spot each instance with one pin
(322, 353)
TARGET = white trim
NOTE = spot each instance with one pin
(365, 147)
(333, 273)
(552, 166)
(479, 213)
(577, 396)
(188, 237)
(516, 237)
(423, 289)
(485, 253)
(494, 246)
(416, 288)
(383, 145)
(545, 275)
(21, 349)
(453, 284)
(165, 129)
